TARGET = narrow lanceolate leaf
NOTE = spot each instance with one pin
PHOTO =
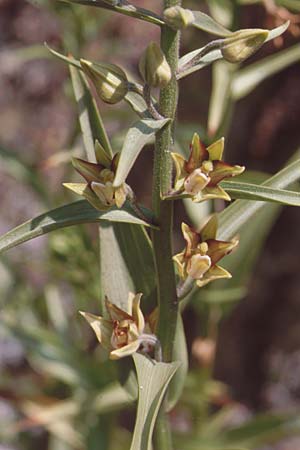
(153, 379)
(116, 281)
(237, 214)
(251, 191)
(251, 76)
(136, 248)
(90, 120)
(124, 8)
(215, 54)
(138, 104)
(208, 24)
(65, 216)
(180, 353)
(139, 135)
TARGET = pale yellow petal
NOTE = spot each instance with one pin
(216, 149)
(198, 265)
(179, 262)
(209, 231)
(125, 351)
(196, 182)
(115, 312)
(214, 273)
(101, 155)
(137, 314)
(103, 328)
(120, 196)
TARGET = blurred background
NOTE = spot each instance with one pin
(244, 347)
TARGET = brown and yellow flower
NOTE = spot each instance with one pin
(202, 252)
(123, 332)
(99, 189)
(199, 176)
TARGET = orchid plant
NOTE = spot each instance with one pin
(150, 330)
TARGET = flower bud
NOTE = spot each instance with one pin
(178, 18)
(154, 67)
(242, 44)
(110, 81)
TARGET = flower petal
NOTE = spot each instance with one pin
(179, 261)
(198, 265)
(214, 273)
(103, 328)
(125, 351)
(120, 196)
(191, 237)
(84, 190)
(137, 314)
(181, 173)
(209, 231)
(216, 149)
(198, 154)
(115, 312)
(89, 171)
(218, 249)
(210, 192)
(196, 182)
(223, 170)
(101, 155)
(104, 192)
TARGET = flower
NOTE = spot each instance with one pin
(202, 252)
(123, 332)
(99, 189)
(198, 177)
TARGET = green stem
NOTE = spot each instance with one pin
(163, 210)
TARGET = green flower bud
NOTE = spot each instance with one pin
(178, 18)
(242, 44)
(154, 67)
(110, 81)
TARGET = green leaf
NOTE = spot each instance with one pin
(239, 213)
(206, 60)
(68, 59)
(136, 248)
(139, 135)
(123, 8)
(252, 191)
(65, 216)
(180, 353)
(138, 104)
(208, 24)
(90, 120)
(153, 379)
(116, 282)
(219, 105)
(126, 265)
(251, 76)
